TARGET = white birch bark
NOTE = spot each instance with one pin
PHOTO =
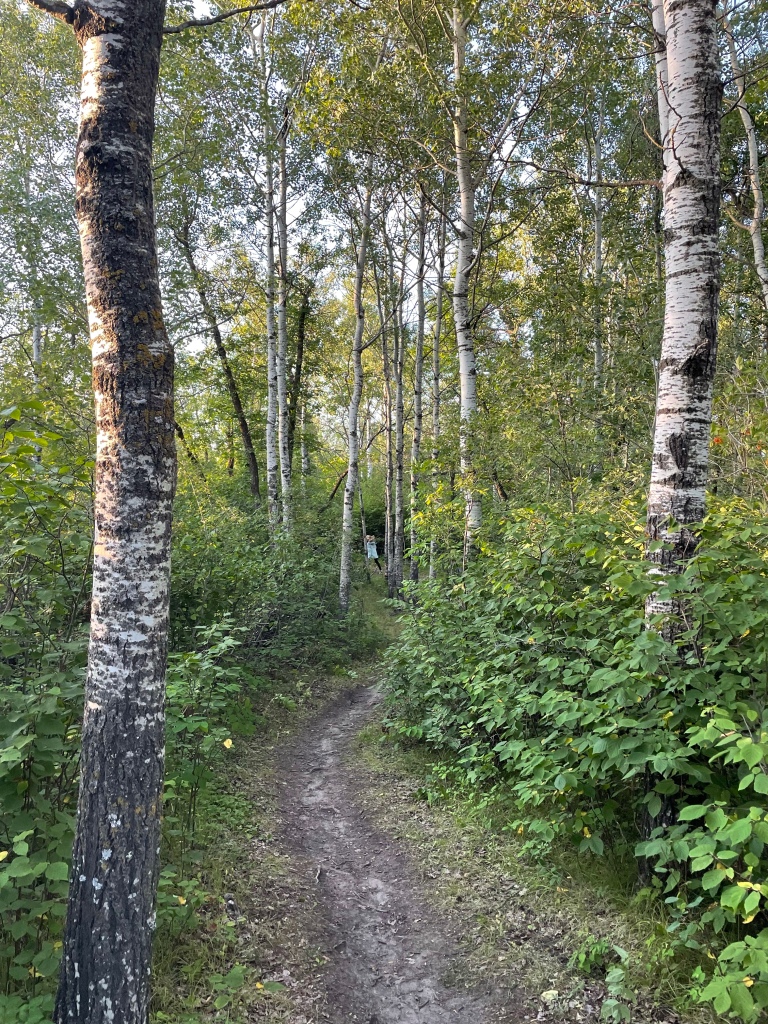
(418, 375)
(396, 289)
(461, 285)
(758, 200)
(368, 445)
(37, 330)
(597, 312)
(272, 461)
(37, 344)
(257, 38)
(350, 486)
(283, 411)
(676, 499)
(598, 255)
(662, 74)
(111, 911)
(436, 385)
(389, 547)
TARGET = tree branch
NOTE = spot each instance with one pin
(577, 179)
(332, 495)
(55, 8)
(736, 221)
(168, 30)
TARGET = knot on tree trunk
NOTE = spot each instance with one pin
(88, 23)
(701, 362)
(678, 447)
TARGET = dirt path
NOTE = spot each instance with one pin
(391, 951)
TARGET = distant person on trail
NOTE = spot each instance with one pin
(370, 550)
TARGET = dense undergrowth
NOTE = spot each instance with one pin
(245, 613)
(534, 676)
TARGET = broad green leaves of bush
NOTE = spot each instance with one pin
(535, 672)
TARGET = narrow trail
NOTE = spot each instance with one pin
(391, 950)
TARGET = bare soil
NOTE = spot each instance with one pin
(410, 933)
(390, 952)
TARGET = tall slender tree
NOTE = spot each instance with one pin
(353, 426)
(690, 92)
(257, 38)
(418, 378)
(755, 227)
(436, 381)
(465, 260)
(283, 408)
(185, 244)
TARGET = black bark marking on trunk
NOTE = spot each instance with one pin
(678, 446)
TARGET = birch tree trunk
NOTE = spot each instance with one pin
(111, 913)
(758, 200)
(37, 343)
(37, 329)
(347, 528)
(273, 507)
(690, 108)
(662, 72)
(436, 385)
(389, 545)
(598, 260)
(461, 285)
(418, 374)
(395, 290)
(399, 527)
(258, 48)
(368, 444)
(363, 527)
(283, 413)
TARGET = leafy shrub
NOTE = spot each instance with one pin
(236, 598)
(534, 671)
(283, 591)
(44, 581)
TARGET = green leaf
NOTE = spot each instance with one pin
(654, 805)
(738, 832)
(57, 872)
(712, 879)
(751, 753)
(732, 897)
(741, 1000)
(693, 811)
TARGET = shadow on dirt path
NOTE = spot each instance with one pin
(390, 949)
